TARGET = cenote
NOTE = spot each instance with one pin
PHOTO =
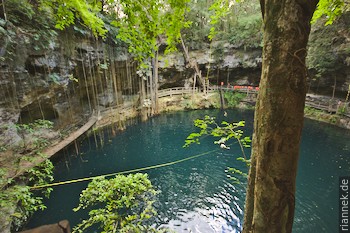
(197, 195)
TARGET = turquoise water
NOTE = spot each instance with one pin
(197, 195)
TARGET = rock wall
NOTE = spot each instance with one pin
(220, 62)
(63, 82)
(329, 57)
(72, 73)
(60, 227)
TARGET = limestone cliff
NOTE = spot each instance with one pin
(63, 76)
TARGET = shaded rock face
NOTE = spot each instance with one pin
(329, 57)
(60, 227)
(8, 131)
(63, 82)
(75, 74)
(344, 123)
(221, 63)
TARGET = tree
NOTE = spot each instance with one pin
(67, 11)
(279, 113)
(143, 25)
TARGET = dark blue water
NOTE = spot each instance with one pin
(197, 195)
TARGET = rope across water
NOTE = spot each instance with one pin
(122, 172)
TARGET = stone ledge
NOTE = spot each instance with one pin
(60, 227)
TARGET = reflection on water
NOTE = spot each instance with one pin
(325, 156)
(196, 195)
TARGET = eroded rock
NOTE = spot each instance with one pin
(60, 227)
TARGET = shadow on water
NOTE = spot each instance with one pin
(197, 195)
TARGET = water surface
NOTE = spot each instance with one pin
(197, 195)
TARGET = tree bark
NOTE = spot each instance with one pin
(3, 11)
(151, 89)
(157, 82)
(193, 64)
(279, 116)
(155, 104)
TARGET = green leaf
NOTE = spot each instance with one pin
(329, 8)
(124, 199)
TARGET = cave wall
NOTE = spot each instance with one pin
(73, 73)
(328, 61)
(52, 73)
(328, 57)
(63, 82)
(220, 62)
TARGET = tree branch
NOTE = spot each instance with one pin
(262, 6)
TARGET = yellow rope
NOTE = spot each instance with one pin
(122, 172)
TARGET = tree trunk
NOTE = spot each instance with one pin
(154, 86)
(151, 90)
(144, 110)
(3, 11)
(193, 64)
(279, 116)
(333, 94)
(156, 69)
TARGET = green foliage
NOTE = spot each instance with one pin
(226, 131)
(244, 25)
(330, 8)
(228, 21)
(19, 11)
(30, 129)
(17, 195)
(342, 109)
(246, 32)
(173, 21)
(235, 174)
(328, 47)
(22, 13)
(310, 111)
(72, 78)
(233, 98)
(333, 119)
(199, 16)
(221, 9)
(67, 11)
(42, 38)
(3, 148)
(59, 14)
(134, 30)
(55, 78)
(188, 104)
(120, 204)
(38, 124)
(24, 28)
(41, 175)
(143, 22)
(320, 115)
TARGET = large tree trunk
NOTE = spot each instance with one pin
(278, 116)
